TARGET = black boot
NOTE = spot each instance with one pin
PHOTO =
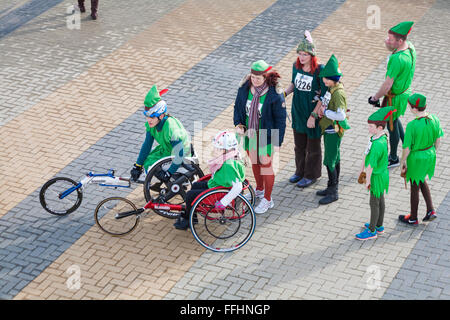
(332, 194)
(94, 7)
(325, 191)
(81, 5)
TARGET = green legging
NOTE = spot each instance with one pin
(376, 211)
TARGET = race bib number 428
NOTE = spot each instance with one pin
(303, 82)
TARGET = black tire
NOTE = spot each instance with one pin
(222, 231)
(105, 216)
(153, 187)
(50, 192)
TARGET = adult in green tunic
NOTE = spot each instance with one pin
(167, 131)
(332, 124)
(396, 87)
(422, 139)
(374, 165)
(308, 88)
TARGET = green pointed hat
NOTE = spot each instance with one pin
(403, 28)
(382, 114)
(153, 97)
(331, 69)
(418, 101)
(307, 44)
(259, 67)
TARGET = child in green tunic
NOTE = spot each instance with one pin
(333, 123)
(374, 165)
(226, 171)
(168, 131)
(422, 139)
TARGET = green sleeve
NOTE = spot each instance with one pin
(439, 131)
(393, 67)
(409, 139)
(372, 158)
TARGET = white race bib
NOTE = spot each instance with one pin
(303, 82)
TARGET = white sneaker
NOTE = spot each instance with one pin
(259, 194)
(264, 205)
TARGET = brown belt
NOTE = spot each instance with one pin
(425, 148)
(388, 97)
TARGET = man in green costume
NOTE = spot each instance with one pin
(376, 173)
(396, 87)
(333, 123)
(168, 132)
(422, 139)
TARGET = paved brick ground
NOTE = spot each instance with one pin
(299, 250)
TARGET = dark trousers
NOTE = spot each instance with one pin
(197, 188)
(394, 137)
(423, 186)
(376, 211)
(94, 5)
(308, 156)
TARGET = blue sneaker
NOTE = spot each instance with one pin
(294, 178)
(304, 183)
(366, 235)
(379, 230)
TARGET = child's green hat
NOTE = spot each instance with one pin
(331, 69)
(418, 101)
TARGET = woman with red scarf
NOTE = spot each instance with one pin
(260, 114)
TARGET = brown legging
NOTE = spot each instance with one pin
(415, 198)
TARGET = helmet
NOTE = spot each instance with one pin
(225, 140)
(157, 110)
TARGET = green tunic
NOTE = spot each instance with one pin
(377, 158)
(401, 66)
(230, 171)
(171, 131)
(420, 137)
(306, 86)
(332, 141)
(250, 143)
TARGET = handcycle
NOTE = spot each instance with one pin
(217, 230)
(62, 195)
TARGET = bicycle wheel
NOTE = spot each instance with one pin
(153, 187)
(51, 196)
(222, 230)
(106, 216)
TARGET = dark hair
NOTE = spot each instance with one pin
(398, 36)
(378, 123)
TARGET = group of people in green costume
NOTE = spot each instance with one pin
(319, 108)
(420, 140)
(226, 167)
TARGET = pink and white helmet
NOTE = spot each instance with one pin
(225, 140)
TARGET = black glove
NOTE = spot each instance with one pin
(373, 102)
(163, 176)
(136, 172)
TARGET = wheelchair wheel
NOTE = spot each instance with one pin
(106, 216)
(222, 230)
(50, 194)
(153, 187)
(249, 193)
